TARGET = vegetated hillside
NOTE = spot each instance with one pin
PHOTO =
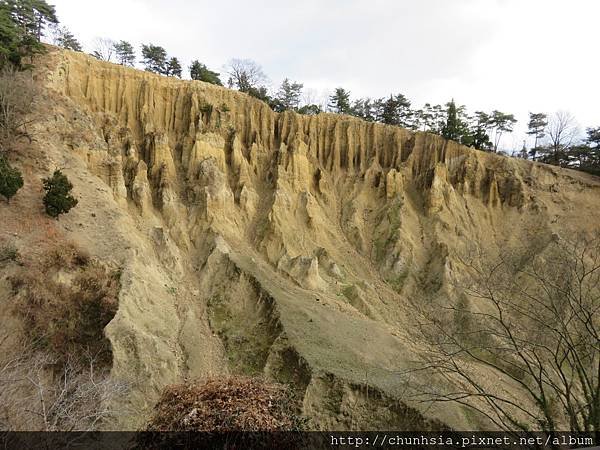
(292, 246)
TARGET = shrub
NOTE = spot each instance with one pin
(67, 318)
(58, 198)
(10, 179)
(225, 405)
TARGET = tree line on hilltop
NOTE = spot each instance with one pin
(554, 138)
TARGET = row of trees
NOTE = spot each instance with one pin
(557, 142)
(154, 59)
(555, 138)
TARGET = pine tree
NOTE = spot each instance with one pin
(477, 135)
(396, 111)
(339, 102)
(125, 53)
(288, 96)
(9, 37)
(10, 179)
(22, 23)
(154, 58)
(65, 39)
(536, 128)
(200, 72)
(32, 16)
(501, 123)
(453, 128)
(173, 68)
(365, 109)
(58, 199)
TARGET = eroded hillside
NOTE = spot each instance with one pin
(278, 244)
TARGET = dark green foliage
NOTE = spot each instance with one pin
(206, 108)
(365, 108)
(58, 198)
(310, 110)
(536, 128)
(584, 156)
(395, 111)
(22, 23)
(125, 53)
(431, 118)
(288, 96)
(501, 123)
(65, 39)
(173, 68)
(454, 127)
(593, 138)
(154, 58)
(260, 93)
(477, 135)
(200, 72)
(9, 37)
(339, 101)
(11, 179)
(32, 16)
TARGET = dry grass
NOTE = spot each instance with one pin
(225, 405)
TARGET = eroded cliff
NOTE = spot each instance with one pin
(278, 244)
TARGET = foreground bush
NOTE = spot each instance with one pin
(224, 405)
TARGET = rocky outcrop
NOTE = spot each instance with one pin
(280, 244)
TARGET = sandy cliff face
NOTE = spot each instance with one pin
(279, 244)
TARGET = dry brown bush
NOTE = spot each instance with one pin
(225, 405)
(65, 300)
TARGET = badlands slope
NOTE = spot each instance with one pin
(277, 244)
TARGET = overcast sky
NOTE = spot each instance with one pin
(512, 55)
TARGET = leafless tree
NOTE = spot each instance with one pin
(522, 345)
(245, 74)
(311, 96)
(39, 392)
(17, 93)
(104, 48)
(562, 131)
